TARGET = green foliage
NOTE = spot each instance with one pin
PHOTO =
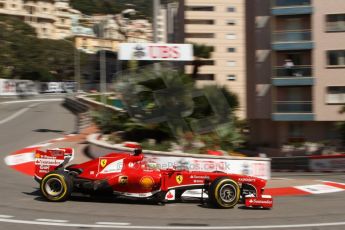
(201, 51)
(141, 90)
(24, 56)
(109, 121)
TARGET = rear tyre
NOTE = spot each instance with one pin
(224, 193)
(56, 186)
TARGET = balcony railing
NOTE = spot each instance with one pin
(292, 36)
(292, 72)
(293, 107)
(290, 3)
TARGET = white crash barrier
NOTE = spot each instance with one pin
(327, 163)
(11, 87)
(253, 166)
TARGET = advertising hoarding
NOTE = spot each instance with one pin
(155, 52)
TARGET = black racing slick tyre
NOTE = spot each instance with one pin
(224, 193)
(56, 186)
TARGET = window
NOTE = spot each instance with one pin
(231, 77)
(231, 22)
(199, 35)
(231, 63)
(62, 21)
(335, 95)
(199, 8)
(231, 9)
(14, 5)
(2, 5)
(199, 21)
(231, 50)
(335, 22)
(205, 77)
(231, 36)
(336, 58)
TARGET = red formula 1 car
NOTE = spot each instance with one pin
(128, 175)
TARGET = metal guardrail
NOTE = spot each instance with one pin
(80, 110)
(292, 36)
(290, 163)
(293, 72)
(293, 106)
(290, 3)
(75, 106)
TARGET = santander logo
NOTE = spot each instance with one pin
(260, 201)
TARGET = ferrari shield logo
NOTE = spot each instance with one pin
(103, 163)
(179, 179)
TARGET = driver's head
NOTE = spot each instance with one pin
(137, 152)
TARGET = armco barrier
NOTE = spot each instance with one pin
(327, 163)
(314, 163)
(290, 163)
(254, 166)
(75, 106)
(80, 110)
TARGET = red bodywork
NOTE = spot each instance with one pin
(131, 176)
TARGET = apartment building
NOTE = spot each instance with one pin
(51, 18)
(220, 24)
(296, 70)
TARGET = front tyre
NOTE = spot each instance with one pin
(56, 186)
(224, 193)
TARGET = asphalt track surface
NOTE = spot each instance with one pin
(21, 206)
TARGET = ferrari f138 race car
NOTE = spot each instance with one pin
(128, 175)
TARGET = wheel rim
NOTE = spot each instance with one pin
(53, 187)
(227, 193)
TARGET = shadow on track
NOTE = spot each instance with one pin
(48, 131)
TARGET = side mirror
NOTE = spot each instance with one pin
(137, 152)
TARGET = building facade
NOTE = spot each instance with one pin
(296, 70)
(51, 18)
(220, 24)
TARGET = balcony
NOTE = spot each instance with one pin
(292, 40)
(294, 76)
(293, 111)
(291, 7)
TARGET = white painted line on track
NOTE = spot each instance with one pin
(281, 178)
(16, 114)
(112, 223)
(34, 100)
(171, 227)
(52, 220)
(319, 188)
(59, 139)
(6, 216)
(39, 145)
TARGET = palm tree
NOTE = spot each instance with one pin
(201, 52)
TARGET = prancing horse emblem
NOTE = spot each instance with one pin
(103, 163)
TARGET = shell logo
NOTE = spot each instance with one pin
(146, 182)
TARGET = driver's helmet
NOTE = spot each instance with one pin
(137, 151)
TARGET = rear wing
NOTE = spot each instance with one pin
(50, 160)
